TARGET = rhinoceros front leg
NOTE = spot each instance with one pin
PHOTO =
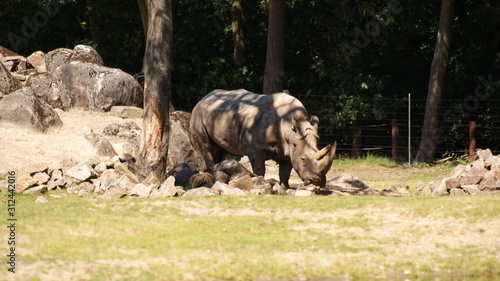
(285, 170)
(258, 161)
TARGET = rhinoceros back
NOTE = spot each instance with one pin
(242, 122)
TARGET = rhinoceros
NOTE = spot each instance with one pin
(262, 127)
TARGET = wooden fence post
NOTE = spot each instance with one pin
(472, 139)
(395, 135)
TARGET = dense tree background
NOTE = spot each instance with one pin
(352, 63)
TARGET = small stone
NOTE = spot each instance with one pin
(41, 200)
(303, 192)
(472, 189)
(441, 188)
(201, 179)
(140, 191)
(222, 177)
(484, 154)
(121, 169)
(152, 180)
(457, 171)
(457, 191)
(167, 189)
(495, 160)
(200, 191)
(100, 168)
(114, 193)
(127, 112)
(427, 190)
(24, 182)
(80, 172)
(224, 189)
(452, 183)
(244, 183)
(41, 177)
(37, 190)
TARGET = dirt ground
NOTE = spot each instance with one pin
(22, 149)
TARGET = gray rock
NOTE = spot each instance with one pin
(303, 192)
(484, 154)
(41, 177)
(7, 83)
(200, 191)
(114, 193)
(99, 145)
(24, 182)
(140, 191)
(457, 191)
(495, 160)
(440, 189)
(153, 181)
(23, 108)
(452, 183)
(201, 179)
(221, 177)
(472, 189)
(49, 90)
(56, 58)
(85, 53)
(168, 189)
(35, 191)
(80, 172)
(224, 189)
(95, 87)
(41, 200)
(131, 112)
(244, 183)
(122, 169)
(37, 60)
(348, 185)
(182, 149)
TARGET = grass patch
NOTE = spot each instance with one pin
(382, 173)
(248, 238)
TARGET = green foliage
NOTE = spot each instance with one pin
(347, 61)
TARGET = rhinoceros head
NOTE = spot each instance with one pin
(308, 161)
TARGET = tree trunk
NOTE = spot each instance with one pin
(155, 134)
(237, 20)
(274, 69)
(428, 145)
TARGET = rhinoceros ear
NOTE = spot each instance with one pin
(315, 121)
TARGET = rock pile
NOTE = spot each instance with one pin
(107, 177)
(31, 88)
(481, 177)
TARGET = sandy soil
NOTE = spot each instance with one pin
(23, 149)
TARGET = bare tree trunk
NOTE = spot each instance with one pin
(428, 145)
(237, 20)
(275, 61)
(144, 15)
(155, 134)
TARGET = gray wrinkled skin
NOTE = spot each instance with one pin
(262, 127)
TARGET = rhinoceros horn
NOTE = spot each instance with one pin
(325, 157)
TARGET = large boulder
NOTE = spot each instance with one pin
(7, 83)
(96, 87)
(61, 56)
(56, 58)
(23, 108)
(181, 148)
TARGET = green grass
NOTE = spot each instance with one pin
(248, 238)
(264, 237)
(382, 172)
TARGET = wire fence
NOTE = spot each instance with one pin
(463, 125)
